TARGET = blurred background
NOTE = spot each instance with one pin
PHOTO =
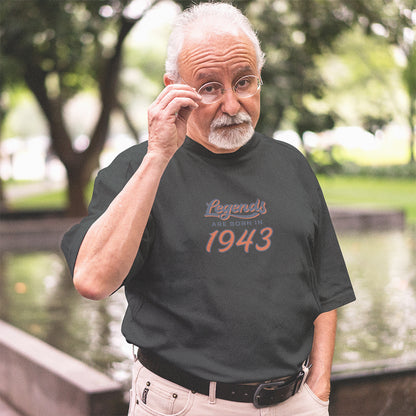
(76, 78)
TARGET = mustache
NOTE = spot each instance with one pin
(225, 120)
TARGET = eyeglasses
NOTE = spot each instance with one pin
(245, 87)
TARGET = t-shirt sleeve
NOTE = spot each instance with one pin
(104, 192)
(108, 183)
(333, 282)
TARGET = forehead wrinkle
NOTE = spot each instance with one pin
(205, 60)
(218, 53)
(247, 69)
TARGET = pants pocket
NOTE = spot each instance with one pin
(158, 397)
(315, 398)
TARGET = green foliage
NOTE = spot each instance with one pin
(362, 80)
(68, 38)
(65, 47)
(49, 37)
(391, 171)
(328, 161)
(292, 33)
(61, 48)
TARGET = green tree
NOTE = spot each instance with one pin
(7, 66)
(59, 49)
(409, 78)
(396, 22)
(363, 81)
(3, 111)
(295, 33)
(292, 34)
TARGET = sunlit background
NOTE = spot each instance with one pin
(363, 112)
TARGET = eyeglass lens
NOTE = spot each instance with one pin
(245, 87)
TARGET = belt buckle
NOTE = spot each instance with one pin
(267, 394)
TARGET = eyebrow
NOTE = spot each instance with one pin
(205, 75)
(244, 71)
(212, 75)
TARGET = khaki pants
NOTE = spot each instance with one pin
(152, 395)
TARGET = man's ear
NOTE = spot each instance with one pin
(167, 81)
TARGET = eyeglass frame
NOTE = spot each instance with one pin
(233, 88)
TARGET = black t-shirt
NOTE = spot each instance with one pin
(238, 258)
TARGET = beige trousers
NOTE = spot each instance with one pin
(152, 395)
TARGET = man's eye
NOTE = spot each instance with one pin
(211, 88)
(243, 83)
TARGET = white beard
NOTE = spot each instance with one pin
(229, 138)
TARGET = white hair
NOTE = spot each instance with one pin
(224, 12)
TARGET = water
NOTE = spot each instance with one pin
(36, 295)
(381, 324)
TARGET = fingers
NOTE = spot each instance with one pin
(176, 96)
(177, 89)
(180, 106)
(167, 118)
(171, 110)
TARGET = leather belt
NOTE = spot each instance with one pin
(262, 394)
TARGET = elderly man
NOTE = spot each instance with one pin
(221, 238)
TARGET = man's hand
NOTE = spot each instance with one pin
(322, 353)
(111, 244)
(167, 118)
(320, 387)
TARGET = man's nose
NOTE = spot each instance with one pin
(230, 103)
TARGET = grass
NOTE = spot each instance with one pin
(44, 200)
(54, 200)
(374, 192)
(362, 191)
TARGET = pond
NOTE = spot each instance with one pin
(36, 295)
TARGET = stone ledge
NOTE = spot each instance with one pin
(366, 219)
(385, 387)
(37, 379)
(30, 234)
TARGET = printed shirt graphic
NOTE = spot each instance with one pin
(238, 215)
(238, 258)
(242, 211)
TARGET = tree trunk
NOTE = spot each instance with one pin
(412, 130)
(3, 205)
(79, 166)
(76, 206)
(3, 111)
